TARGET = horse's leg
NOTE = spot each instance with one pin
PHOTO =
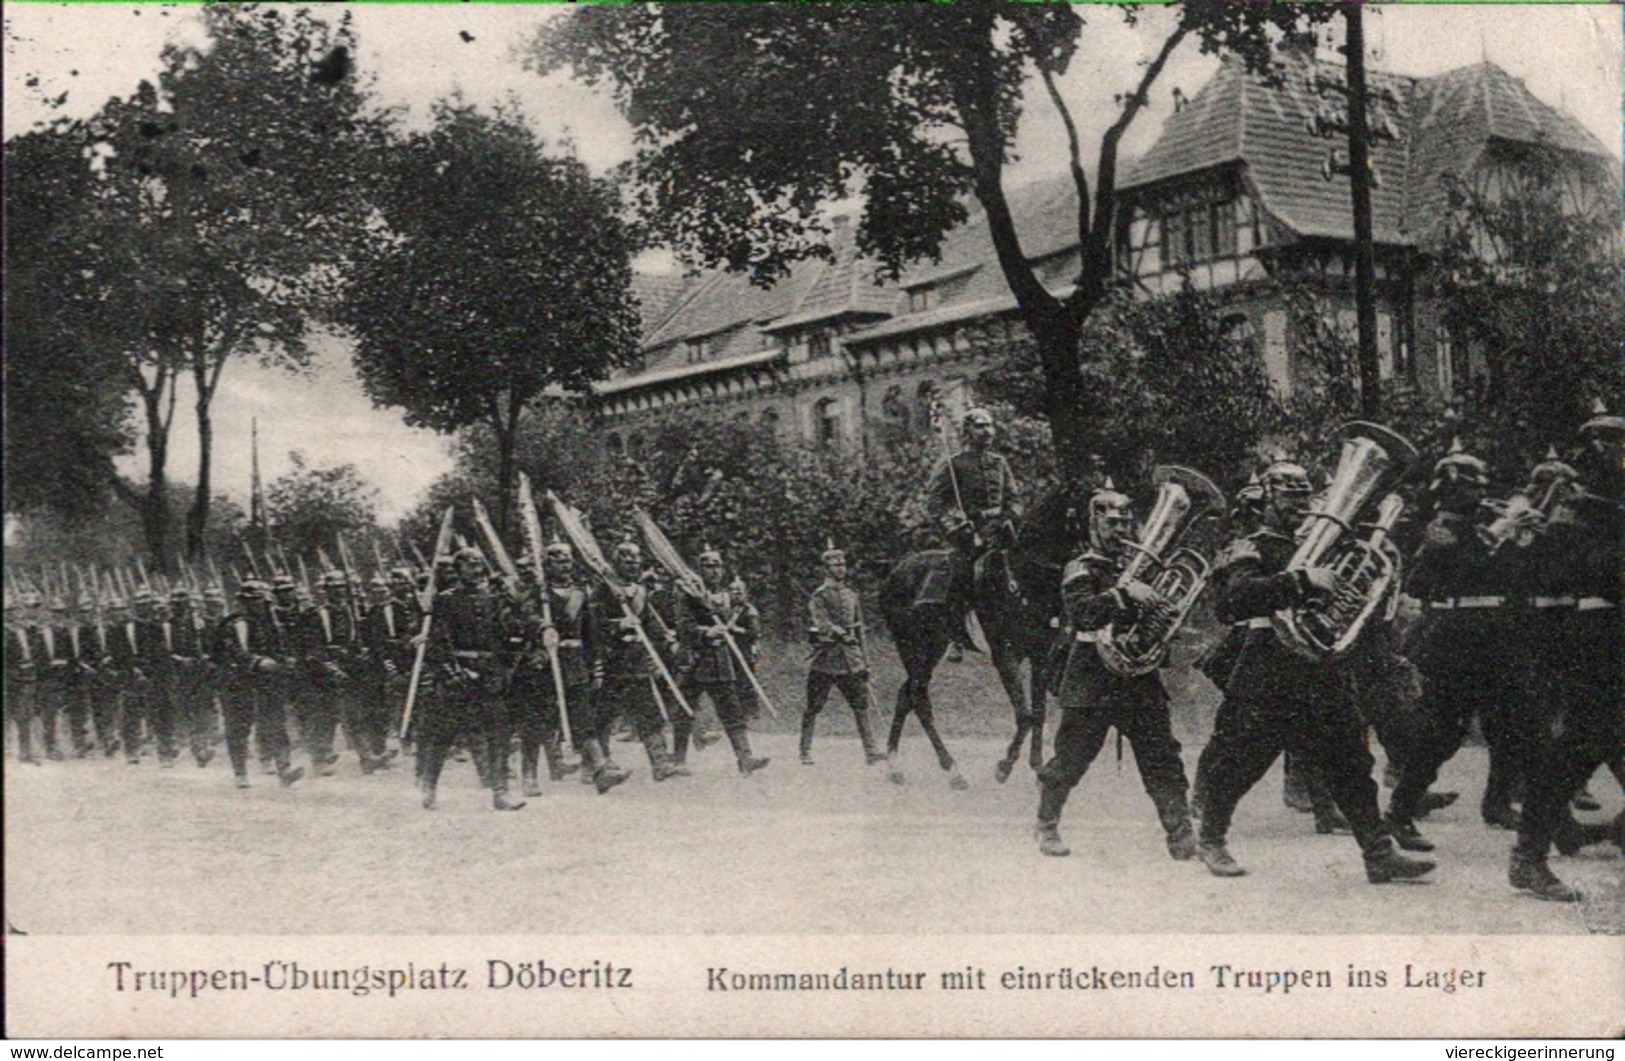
(905, 697)
(1008, 664)
(1041, 683)
(945, 759)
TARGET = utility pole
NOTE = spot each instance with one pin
(1365, 269)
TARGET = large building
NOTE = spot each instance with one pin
(1247, 179)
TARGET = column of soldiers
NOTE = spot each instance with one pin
(1519, 629)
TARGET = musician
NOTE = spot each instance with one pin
(250, 651)
(1095, 699)
(466, 649)
(1282, 700)
(628, 677)
(707, 664)
(1580, 561)
(838, 656)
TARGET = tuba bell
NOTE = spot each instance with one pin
(1178, 576)
(1366, 569)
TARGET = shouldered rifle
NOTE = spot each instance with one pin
(531, 523)
(593, 557)
(694, 586)
(441, 545)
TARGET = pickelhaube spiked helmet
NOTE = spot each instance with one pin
(1459, 466)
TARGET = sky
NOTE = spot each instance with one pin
(1569, 56)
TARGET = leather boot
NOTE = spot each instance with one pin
(532, 786)
(681, 730)
(1216, 857)
(1383, 864)
(748, 763)
(1294, 787)
(1531, 874)
(287, 773)
(430, 762)
(1407, 835)
(808, 722)
(659, 759)
(1051, 801)
(871, 753)
(557, 768)
(1182, 842)
(500, 800)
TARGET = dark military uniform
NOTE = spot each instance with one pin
(250, 652)
(1283, 701)
(537, 714)
(708, 666)
(1582, 666)
(386, 630)
(190, 692)
(1094, 699)
(319, 685)
(1466, 649)
(24, 650)
(986, 499)
(467, 647)
(628, 691)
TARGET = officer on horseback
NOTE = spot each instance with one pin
(973, 498)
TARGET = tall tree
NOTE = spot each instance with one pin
(224, 199)
(500, 272)
(749, 119)
(66, 416)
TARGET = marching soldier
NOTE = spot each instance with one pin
(315, 676)
(1094, 699)
(628, 688)
(467, 645)
(708, 665)
(251, 652)
(59, 676)
(24, 651)
(1580, 554)
(1464, 649)
(1284, 701)
(83, 656)
(189, 689)
(387, 626)
(838, 656)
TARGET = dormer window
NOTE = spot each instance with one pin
(922, 298)
(698, 349)
(818, 345)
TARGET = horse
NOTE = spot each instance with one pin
(1014, 602)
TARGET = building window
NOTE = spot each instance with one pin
(827, 422)
(921, 299)
(1444, 359)
(818, 345)
(698, 349)
(1200, 232)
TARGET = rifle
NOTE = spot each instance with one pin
(442, 543)
(953, 476)
(510, 573)
(531, 523)
(694, 586)
(587, 547)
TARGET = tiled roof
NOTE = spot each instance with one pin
(1438, 125)
(657, 295)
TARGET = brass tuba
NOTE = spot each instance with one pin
(1177, 576)
(1366, 569)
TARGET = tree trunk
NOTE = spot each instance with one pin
(154, 506)
(197, 517)
(507, 436)
(1067, 404)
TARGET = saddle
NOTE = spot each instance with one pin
(951, 581)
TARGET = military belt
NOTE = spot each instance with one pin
(1262, 622)
(1553, 602)
(1593, 604)
(474, 655)
(1086, 637)
(1450, 603)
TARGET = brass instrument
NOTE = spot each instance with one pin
(1176, 576)
(1519, 519)
(1366, 570)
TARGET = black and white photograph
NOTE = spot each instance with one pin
(814, 519)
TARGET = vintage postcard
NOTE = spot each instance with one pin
(813, 520)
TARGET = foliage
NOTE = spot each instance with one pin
(1532, 277)
(219, 199)
(311, 506)
(499, 272)
(114, 536)
(750, 121)
(66, 415)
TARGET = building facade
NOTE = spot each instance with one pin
(1245, 184)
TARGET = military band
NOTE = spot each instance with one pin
(1518, 632)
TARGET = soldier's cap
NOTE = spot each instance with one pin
(214, 593)
(60, 604)
(284, 584)
(1288, 477)
(557, 551)
(1250, 496)
(709, 557)
(334, 578)
(145, 596)
(833, 555)
(629, 548)
(402, 574)
(1106, 500)
(1459, 465)
(978, 416)
(253, 587)
(1550, 469)
(32, 598)
(180, 593)
(114, 604)
(470, 554)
